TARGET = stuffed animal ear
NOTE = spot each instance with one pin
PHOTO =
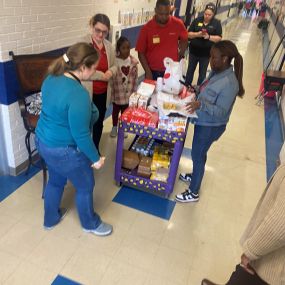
(167, 62)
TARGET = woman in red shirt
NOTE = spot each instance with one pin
(101, 90)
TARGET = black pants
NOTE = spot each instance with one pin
(156, 74)
(242, 277)
(100, 101)
(203, 62)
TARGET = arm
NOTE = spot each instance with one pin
(213, 38)
(217, 35)
(79, 117)
(270, 234)
(144, 63)
(112, 57)
(193, 35)
(141, 48)
(183, 41)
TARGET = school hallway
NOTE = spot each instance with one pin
(198, 240)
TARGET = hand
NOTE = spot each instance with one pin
(206, 36)
(99, 163)
(107, 75)
(245, 264)
(200, 34)
(191, 107)
(148, 75)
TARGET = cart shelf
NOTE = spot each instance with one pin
(130, 178)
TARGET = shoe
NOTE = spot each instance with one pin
(187, 196)
(114, 132)
(207, 282)
(103, 229)
(63, 213)
(186, 177)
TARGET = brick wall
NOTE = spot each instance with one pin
(31, 26)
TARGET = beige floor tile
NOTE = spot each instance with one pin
(28, 274)
(17, 205)
(21, 239)
(86, 266)
(172, 264)
(154, 279)
(108, 245)
(179, 233)
(119, 215)
(149, 226)
(137, 251)
(53, 252)
(6, 223)
(120, 273)
(8, 264)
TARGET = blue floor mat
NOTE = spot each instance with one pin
(145, 202)
(8, 184)
(60, 280)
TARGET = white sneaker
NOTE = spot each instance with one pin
(187, 196)
(114, 132)
(103, 229)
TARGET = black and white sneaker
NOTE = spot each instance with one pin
(186, 177)
(187, 196)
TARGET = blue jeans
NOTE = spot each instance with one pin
(202, 140)
(192, 64)
(68, 163)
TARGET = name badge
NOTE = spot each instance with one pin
(156, 40)
(200, 24)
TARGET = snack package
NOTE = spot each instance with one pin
(130, 159)
(133, 100)
(146, 89)
(161, 174)
(144, 167)
(143, 101)
(173, 124)
(168, 104)
(140, 116)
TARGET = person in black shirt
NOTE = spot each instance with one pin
(203, 33)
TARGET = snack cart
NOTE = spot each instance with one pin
(131, 177)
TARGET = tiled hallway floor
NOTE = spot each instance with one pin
(200, 239)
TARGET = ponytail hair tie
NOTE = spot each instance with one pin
(65, 57)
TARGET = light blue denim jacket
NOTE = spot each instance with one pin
(217, 99)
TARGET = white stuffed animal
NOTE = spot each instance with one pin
(173, 73)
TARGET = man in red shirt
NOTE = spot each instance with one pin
(163, 36)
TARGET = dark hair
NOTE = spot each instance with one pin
(211, 6)
(162, 3)
(229, 49)
(120, 41)
(77, 55)
(101, 18)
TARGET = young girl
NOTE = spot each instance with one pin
(124, 82)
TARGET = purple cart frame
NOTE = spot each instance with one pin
(128, 178)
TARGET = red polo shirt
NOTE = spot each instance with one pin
(158, 42)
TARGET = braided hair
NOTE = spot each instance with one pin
(228, 48)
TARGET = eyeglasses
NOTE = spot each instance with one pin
(98, 31)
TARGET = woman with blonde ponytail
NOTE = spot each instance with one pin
(213, 106)
(63, 137)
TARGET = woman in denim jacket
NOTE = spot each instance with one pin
(213, 107)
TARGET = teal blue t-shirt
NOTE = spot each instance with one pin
(67, 115)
